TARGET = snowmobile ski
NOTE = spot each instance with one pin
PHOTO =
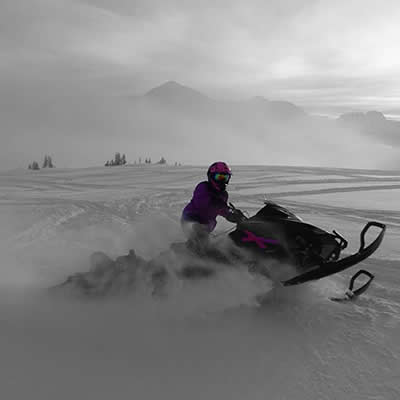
(351, 293)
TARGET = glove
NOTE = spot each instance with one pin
(235, 216)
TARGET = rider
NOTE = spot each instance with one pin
(209, 200)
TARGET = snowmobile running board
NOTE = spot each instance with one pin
(334, 267)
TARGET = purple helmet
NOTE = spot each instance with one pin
(218, 175)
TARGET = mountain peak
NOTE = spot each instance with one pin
(172, 84)
(173, 90)
(169, 85)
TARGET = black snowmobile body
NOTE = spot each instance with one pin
(275, 232)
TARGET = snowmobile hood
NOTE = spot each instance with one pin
(272, 211)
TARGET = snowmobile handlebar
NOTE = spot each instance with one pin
(341, 240)
(239, 215)
(232, 206)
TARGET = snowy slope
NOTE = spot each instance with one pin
(208, 340)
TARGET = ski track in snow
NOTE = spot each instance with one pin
(206, 341)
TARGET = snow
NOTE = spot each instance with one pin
(378, 199)
(206, 340)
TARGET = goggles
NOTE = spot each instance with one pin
(221, 177)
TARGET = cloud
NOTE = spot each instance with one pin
(64, 64)
(230, 43)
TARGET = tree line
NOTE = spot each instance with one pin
(118, 160)
(121, 160)
(47, 163)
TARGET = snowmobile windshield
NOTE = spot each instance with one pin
(273, 210)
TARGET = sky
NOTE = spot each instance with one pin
(60, 57)
(310, 50)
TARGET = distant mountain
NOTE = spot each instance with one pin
(373, 123)
(374, 117)
(172, 95)
(276, 109)
(172, 104)
(173, 91)
(395, 111)
(176, 98)
(185, 124)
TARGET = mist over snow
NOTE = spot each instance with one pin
(84, 128)
(205, 339)
(80, 80)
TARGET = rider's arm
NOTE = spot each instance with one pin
(201, 197)
(224, 209)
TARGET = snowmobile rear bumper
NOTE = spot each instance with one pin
(334, 267)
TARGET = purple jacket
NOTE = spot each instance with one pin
(206, 205)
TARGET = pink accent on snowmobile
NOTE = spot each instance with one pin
(260, 241)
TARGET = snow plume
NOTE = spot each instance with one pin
(136, 346)
(48, 252)
(219, 287)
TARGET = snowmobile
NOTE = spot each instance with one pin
(273, 234)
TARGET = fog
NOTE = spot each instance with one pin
(83, 128)
(70, 72)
